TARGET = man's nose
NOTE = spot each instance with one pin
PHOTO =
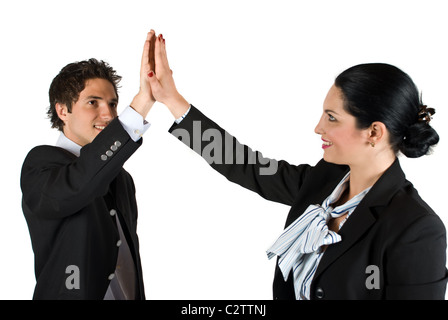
(106, 112)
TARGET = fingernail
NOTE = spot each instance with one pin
(151, 74)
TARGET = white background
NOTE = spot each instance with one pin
(261, 69)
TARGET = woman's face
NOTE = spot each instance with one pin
(343, 142)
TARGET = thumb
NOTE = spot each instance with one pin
(153, 81)
(155, 85)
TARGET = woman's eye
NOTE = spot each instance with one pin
(91, 102)
(331, 118)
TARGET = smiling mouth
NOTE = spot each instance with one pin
(326, 144)
(99, 127)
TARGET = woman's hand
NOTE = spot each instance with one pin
(162, 82)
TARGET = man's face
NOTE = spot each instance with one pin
(94, 110)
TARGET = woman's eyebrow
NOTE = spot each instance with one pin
(332, 111)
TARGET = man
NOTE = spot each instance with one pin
(78, 200)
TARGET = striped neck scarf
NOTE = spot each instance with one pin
(299, 246)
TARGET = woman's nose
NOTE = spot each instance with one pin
(318, 129)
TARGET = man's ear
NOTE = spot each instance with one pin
(62, 111)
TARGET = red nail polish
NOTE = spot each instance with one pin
(151, 74)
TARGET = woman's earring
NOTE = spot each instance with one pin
(372, 144)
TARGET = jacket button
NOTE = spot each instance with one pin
(319, 293)
(103, 157)
(111, 276)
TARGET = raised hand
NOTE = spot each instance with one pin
(144, 100)
(162, 83)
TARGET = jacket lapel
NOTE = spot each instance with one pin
(364, 215)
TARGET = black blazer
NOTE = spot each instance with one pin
(392, 229)
(67, 202)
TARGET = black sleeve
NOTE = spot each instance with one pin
(56, 184)
(274, 180)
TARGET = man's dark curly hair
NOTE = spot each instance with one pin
(71, 80)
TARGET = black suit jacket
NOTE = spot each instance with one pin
(67, 202)
(392, 229)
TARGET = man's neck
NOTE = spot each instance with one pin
(67, 144)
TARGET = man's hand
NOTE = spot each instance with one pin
(162, 82)
(144, 100)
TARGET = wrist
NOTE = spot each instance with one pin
(142, 104)
(177, 106)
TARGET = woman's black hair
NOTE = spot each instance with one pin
(381, 92)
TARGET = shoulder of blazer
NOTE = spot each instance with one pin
(396, 202)
(406, 208)
(40, 158)
(46, 153)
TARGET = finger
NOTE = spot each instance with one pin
(151, 58)
(161, 60)
(145, 63)
(153, 82)
(164, 55)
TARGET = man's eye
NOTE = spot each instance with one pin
(92, 102)
(113, 105)
(331, 118)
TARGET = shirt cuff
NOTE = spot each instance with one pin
(133, 123)
(179, 120)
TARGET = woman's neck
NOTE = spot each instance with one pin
(364, 175)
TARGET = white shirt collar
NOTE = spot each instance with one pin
(67, 144)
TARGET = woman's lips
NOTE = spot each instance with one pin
(326, 144)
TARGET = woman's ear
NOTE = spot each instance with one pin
(377, 133)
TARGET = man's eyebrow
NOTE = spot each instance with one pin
(100, 98)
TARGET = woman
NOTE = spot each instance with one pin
(357, 229)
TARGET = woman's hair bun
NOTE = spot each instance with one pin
(418, 140)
